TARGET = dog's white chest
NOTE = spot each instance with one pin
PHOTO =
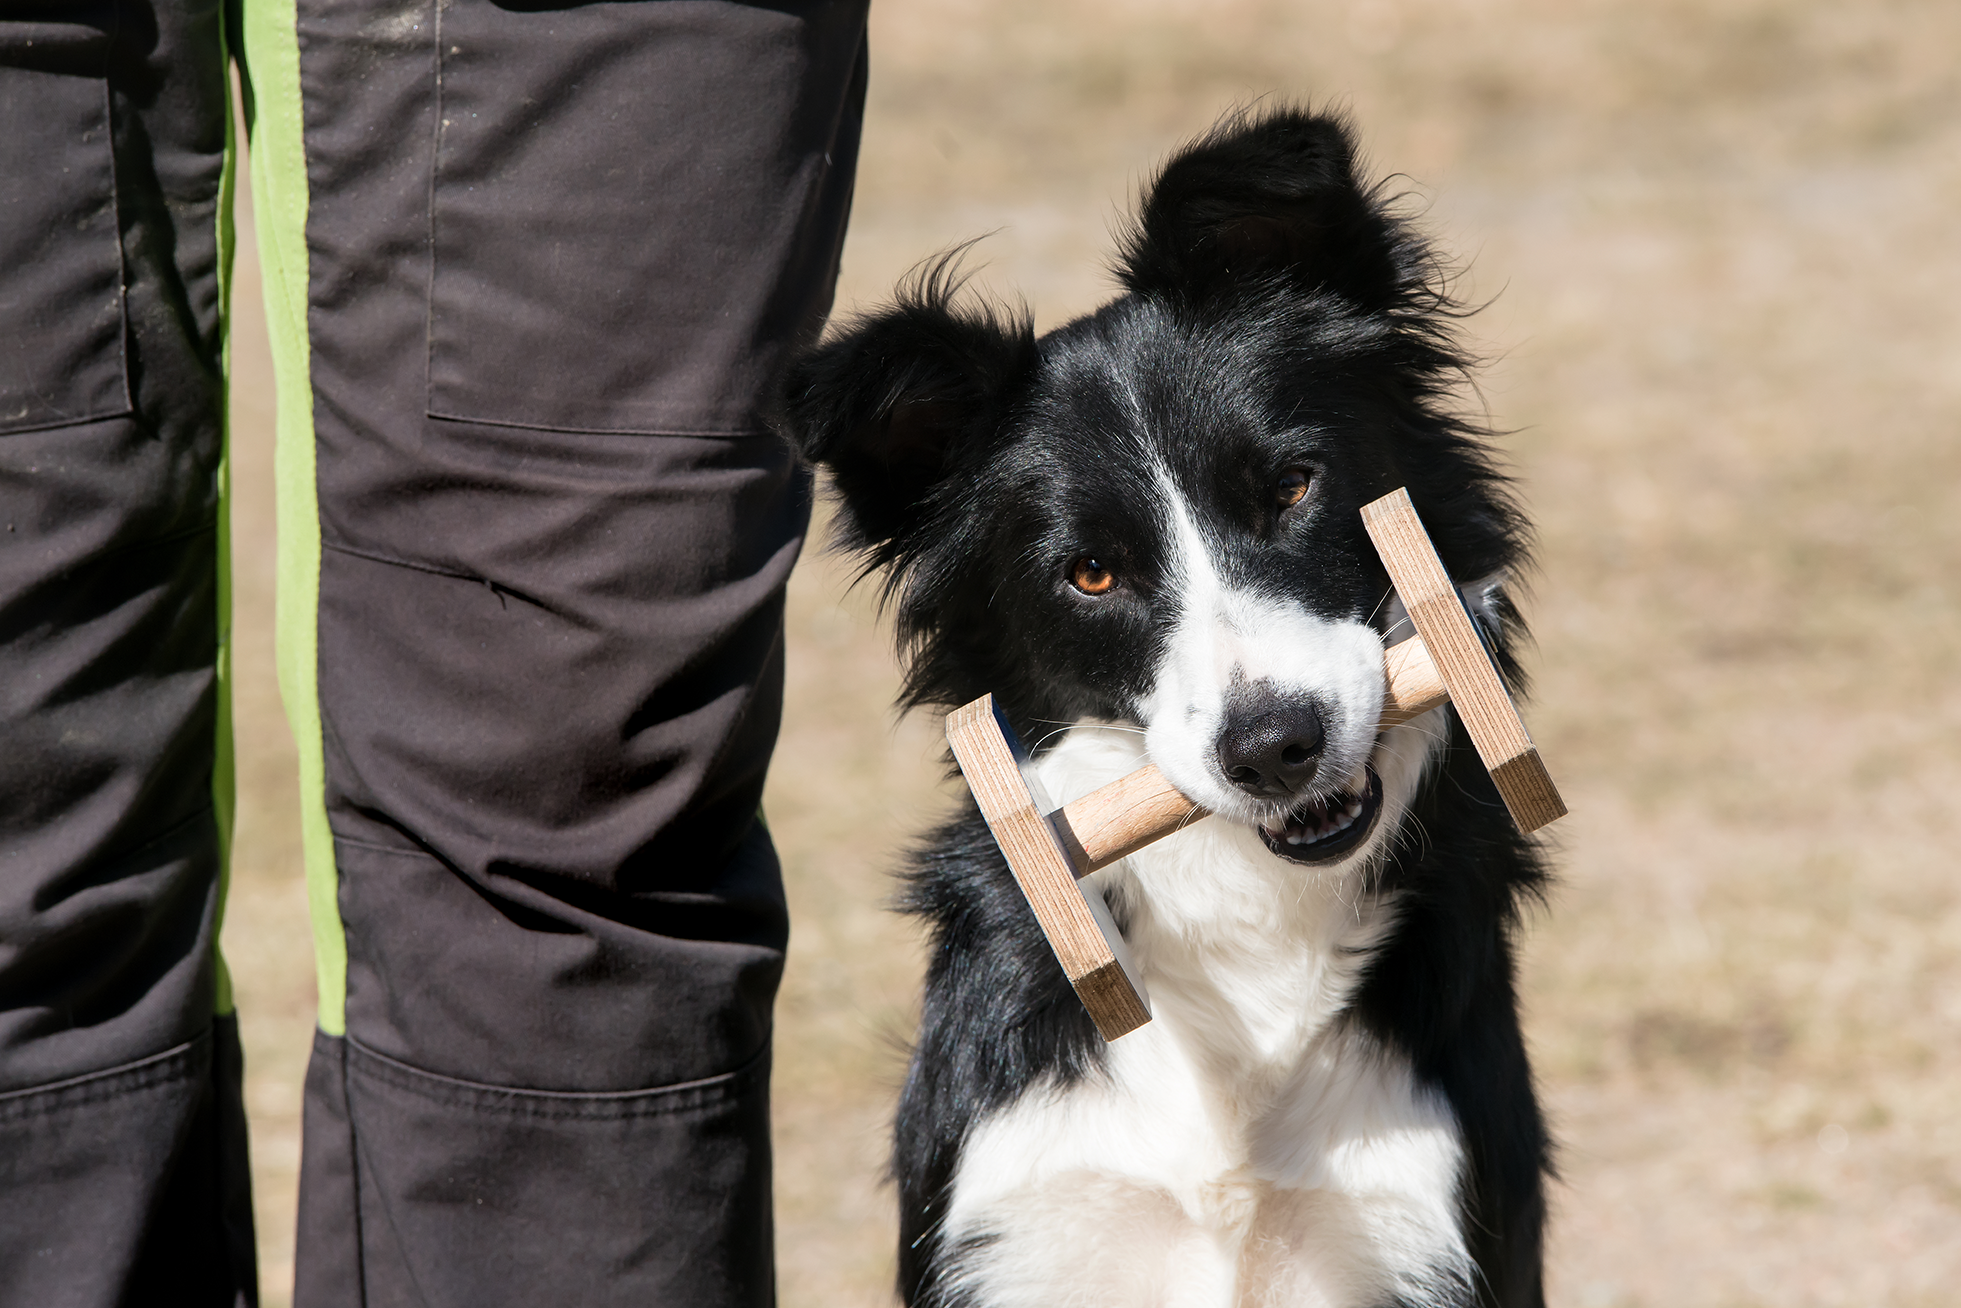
(1246, 1147)
(1146, 1190)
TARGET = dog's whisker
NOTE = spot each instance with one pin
(1379, 603)
(1047, 736)
(1091, 726)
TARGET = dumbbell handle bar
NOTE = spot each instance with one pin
(1132, 811)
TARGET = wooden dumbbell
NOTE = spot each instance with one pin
(1049, 848)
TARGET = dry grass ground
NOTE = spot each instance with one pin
(1721, 246)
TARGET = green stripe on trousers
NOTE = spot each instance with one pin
(279, 196)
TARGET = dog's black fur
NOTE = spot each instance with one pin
(1275, 310)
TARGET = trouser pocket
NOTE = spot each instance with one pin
(129, 1187)
(61, 263)
(428, 1189)
(637, 208)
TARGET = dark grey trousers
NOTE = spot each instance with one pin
(531, 270)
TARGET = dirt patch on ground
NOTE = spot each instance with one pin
(1719, 242)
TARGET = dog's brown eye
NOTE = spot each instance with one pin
(1291, 488)
(1091, 577)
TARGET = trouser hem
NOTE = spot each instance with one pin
(432, 1189)
(130, 1186)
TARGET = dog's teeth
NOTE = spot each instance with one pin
(1318, 820)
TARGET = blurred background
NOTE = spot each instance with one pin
(1720, 247)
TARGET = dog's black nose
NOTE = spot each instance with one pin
(1269, 746)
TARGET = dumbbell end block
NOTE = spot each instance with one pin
(1076, 921)
(1527, 789)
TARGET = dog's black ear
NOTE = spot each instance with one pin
(894, 403)
(1260, 196)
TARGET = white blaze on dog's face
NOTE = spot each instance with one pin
(1262, 708)
(1208, 575)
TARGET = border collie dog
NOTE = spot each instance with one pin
(1141, 532)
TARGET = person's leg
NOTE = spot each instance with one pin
(531, 272)
(122, 1140)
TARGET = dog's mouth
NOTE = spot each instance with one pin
(1325, 829)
